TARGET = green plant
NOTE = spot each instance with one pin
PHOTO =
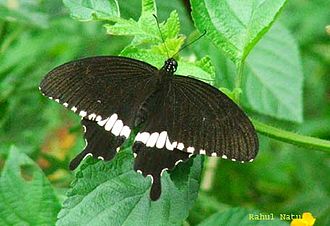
(246, 53)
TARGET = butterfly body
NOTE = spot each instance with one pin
(177, 116)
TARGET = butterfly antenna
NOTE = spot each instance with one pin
(161, 35)
(190, 43)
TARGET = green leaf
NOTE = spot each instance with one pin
(235, 26)
(27, 197)
(133, 10)
(172, 26)
(25, 12)
(273, 75)
(206, 64)
(242, 217)
(202, 70)
(114, 194)
(148, 7)
(169, 48)
(145, 30)
(274, 79)
(86, 10)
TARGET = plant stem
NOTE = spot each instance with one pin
(292, 138)
(238, 80)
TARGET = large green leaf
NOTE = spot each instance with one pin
(86, 10)
(113, 194)
(274, 79)
(27, 197)
(133, 10)
(273, 75)
(242, 217)
(235, 26)
(202, 69)
(145, 30)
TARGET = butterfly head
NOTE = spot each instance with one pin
(170, 65)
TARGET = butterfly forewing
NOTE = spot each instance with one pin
(100, 85)
(199, 119)
(106, 90)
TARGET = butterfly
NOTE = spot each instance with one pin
(176, 116)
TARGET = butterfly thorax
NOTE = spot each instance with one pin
(170, 66)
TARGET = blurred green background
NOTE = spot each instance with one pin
(36, 36)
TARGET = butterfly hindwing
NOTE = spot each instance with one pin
(199, 119)
(153, 162)
(99, 143)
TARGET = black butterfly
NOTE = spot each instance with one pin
(177, 116)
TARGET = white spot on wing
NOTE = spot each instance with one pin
(142, 137)
(214, 154)
(152, 179)
(103, 122)
(139, 171)
(234, 160)
(168, 145)
(161, 140)
(125, 131)
(100, 157)
(152, 139)
(135, 155)
(86, 156)
(163, 170)
(82, 113)
(111, 122)
(224, 157)
(98, 118)
(202, 152)
(177, 162)
(86, 143)
(174, 144)
(84, 127)
(190, 149)
(117, 127)
(74, 109)
(118, 149)
(137, 137)
(65, 104)
(57, 100)
(251, 160)
(50, 98)
(92, 116)
(180, 146)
